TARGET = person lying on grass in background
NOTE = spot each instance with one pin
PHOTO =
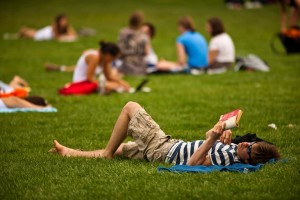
(221, 53)
(94, 62)
(16, 87)
(191, 49)
(60, 30)
(27, 102)
(151, 143)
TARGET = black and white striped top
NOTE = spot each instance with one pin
(219, 154)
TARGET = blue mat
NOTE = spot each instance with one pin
(238, 167)
(14, 110)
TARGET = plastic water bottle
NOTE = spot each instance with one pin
(102, 83)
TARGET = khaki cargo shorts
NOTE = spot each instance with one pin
(149, 141)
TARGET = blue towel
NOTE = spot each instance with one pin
(237, 167)
(13, 110)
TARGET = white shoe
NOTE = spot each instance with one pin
(216, 71)
(197, 71)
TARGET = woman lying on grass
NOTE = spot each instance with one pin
(151, 143)
(35, 102)
(60, 30)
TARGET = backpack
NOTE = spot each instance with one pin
(251, 63)
(290, 39)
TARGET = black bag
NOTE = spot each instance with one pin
(249, 137)
(290, 40)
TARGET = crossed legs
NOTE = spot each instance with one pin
(114, 145)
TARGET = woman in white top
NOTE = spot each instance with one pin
(221, 48)
(60, 30)
(93, 62)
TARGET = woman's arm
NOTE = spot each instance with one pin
(111, 77)
(181, 54)
(16, 102)
(212, 56)
(200, 156)
(71, 31)
(92, 61)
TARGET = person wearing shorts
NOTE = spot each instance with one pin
(149, 142)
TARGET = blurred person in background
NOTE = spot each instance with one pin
(221, 48)
(134, 45)
(293, 21)
(191, 49)
(93, 63)
(151, 58)
(60, 30)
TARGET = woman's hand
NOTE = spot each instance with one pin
(216, 132)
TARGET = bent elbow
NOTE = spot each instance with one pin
(191, 163)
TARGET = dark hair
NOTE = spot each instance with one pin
(109, 47)
(216, 25)
(136, 20)
(59, 29)
(187, 22)
(152, 29)
(264, 152)
(36, 100)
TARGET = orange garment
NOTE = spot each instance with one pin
(18, 92)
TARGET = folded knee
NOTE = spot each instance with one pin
(131, 106)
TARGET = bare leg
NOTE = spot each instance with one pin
(114, 145)
(27, 32)
(120, 130)
(16, 102)
(18, 82)
(69, 152)
(62, 68)
(164, 65)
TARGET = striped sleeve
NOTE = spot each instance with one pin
(221, 154)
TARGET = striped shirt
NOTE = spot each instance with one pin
(219, 153)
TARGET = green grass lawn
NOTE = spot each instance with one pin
(185, 106)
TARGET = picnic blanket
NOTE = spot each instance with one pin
(237, 167)
(14, 110)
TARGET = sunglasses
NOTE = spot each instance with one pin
(249, 148)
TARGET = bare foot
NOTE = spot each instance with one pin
(62, 150)
(52, 67)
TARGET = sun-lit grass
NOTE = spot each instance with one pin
(184, 106)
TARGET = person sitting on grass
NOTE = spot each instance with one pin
(151, 58)
(60, 30)
(134, 45)
(189, 44)
(94, 62)
(221, 48)
(151, 143)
